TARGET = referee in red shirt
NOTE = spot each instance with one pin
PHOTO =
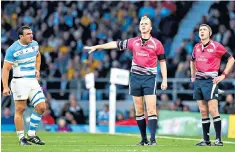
(146, 53)
(205, 64)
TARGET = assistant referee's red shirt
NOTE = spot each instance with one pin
(208, 59)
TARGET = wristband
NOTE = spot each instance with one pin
(224, 74)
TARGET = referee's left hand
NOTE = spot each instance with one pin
(217, 80)
(164, 85)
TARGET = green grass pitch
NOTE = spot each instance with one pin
(82, 142)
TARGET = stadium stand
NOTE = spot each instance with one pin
(63, 28)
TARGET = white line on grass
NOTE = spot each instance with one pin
(177, 138)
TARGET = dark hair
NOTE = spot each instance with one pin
(21, 30)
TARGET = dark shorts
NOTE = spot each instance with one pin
(205, 90)
(141, 85)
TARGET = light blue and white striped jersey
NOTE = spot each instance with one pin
(23, 58)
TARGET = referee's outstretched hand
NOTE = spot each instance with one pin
(90, 48)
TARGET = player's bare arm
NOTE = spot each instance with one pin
(193, 70)
(109, 45)
(38, 64)
(5, 77)
(164, 75)
(227, 69)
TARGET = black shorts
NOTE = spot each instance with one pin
(141, 85)
(205, 90)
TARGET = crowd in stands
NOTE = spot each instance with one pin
(63, 28)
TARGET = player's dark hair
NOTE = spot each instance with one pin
(21, 30)
(210, 30)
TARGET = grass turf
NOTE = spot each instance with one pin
(81, 142)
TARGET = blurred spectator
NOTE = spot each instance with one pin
(130, 120)
(7, 118)
(70, 118)
(103, 116)
(186, 109)
(47, 117)
(164, 102)
(229, 107)
(181, 71)
(120, 116)
(173, 106)
(62, 126)
(179, 105)
(65, 109)
(76, 110)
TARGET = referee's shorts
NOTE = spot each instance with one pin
(205, 90)
(141, 85)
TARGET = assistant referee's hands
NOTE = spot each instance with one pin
(164, 85)
(217, 80)
(90, 48)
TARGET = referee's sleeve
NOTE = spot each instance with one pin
(193, 55)
(226, 56)
(122, 45)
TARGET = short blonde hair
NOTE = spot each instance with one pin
(146, 18)
(210, 30)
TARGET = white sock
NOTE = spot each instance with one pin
(31, 133)
(20, 134)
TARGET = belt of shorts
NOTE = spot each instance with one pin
(24, 77)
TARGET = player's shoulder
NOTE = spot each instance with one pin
(34, 42)
(216, 44)
(197, 45)
(13, 46)
(135, 38)
(155, 40)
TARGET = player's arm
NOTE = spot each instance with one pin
(38, 61)
(229, 66)
(38, 65)
(164, 74)
(193, 67)
(193, 70)
(162, 59)
(5, 77)
(109, 45)
(8, 63)
(163, 70)
(225, 56)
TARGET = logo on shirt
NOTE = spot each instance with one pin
(210, 50)
(202, 59)
(150, 46)
(142, 53)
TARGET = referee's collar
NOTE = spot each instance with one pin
(146, 40)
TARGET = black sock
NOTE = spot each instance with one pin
(152, 123)
(217, 125)
(206, 128)
(142, 126)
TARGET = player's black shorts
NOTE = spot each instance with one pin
(141, 85)
(205, 90)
